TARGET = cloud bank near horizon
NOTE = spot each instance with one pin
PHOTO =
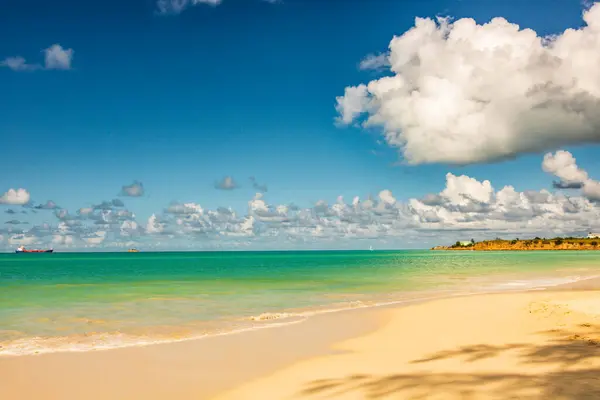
(464, 208)
(461, 93)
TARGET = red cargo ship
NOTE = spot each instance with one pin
(24, 250)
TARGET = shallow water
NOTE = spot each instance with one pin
(83, 301)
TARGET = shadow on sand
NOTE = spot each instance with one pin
(566, 358)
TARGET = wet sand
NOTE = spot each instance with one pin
(195, 369)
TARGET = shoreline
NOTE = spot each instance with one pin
(99, 342)
(204, 365)
(215, 365)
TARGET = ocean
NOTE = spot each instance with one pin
(92, 301)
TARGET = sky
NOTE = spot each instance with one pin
(297, 124)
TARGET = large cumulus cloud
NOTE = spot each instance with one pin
(461, 92)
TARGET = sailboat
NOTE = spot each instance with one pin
(371, 248)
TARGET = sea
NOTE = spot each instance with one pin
(95, 301)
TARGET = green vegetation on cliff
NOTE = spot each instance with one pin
(558, 243)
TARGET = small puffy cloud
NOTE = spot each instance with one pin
(129, 228)
(85, 211)
(57, 57)
(136, 189)
(18, 63)
(462, 189)
(63, 240)
(184, 209)
(591, 190)
(463, 93)
(10, 211)
(22, 240)
(227, 183)
(107, 205)
(15, 197)
(49, 205)
(94, 238)
(154, 226)
(387, 197)
(257, 186)
(374, 62)
(563, 165)
(168, 7)
(354, 102)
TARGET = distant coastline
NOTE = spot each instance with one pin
(569, 243)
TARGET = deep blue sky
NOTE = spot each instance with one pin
(246, 88)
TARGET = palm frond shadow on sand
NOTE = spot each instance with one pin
(566, 353)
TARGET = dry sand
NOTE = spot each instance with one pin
(533, 345)
(537, 345)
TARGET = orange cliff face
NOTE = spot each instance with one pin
(532, 244)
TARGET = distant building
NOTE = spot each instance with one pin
(593, 235)
(465, 243)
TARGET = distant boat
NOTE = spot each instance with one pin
(371, 248)
(24, 250)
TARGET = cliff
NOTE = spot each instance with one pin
(530, 244)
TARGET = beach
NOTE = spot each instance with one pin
(526, 345)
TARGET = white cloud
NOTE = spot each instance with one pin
(563, 165)
(95, 238)
(374, 62)
(185, 209)
(56, 57)
(129, 228)
(18, 64)
(15, 197)
(22, 240)
(153, 225)
(85, 211)
(177, 6)
(63, 240)
(462, 189)
(354, 102)
(385, 196)
(466, 93)
(591, 190)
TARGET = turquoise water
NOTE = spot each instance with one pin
(83, 301)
